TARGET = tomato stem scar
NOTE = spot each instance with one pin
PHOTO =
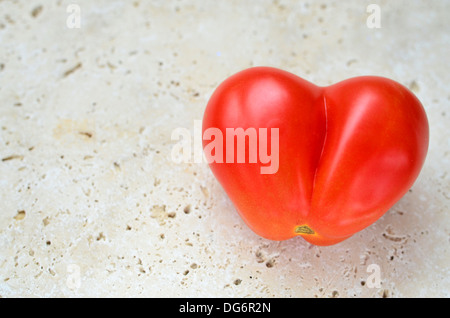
(303, 229)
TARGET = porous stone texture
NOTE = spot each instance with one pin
(92, 202)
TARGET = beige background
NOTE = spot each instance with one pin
(91, 203)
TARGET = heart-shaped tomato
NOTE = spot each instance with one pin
(321, 162)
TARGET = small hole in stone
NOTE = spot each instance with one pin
(270, 263)
(20, 215)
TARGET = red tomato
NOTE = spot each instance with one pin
(346, 153)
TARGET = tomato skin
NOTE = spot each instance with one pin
(347, 152)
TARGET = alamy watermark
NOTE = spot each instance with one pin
(234, 145)
(374, 19)
(73, 20)
(73, 280)
(374, 279)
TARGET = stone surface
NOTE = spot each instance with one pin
(91, 201)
